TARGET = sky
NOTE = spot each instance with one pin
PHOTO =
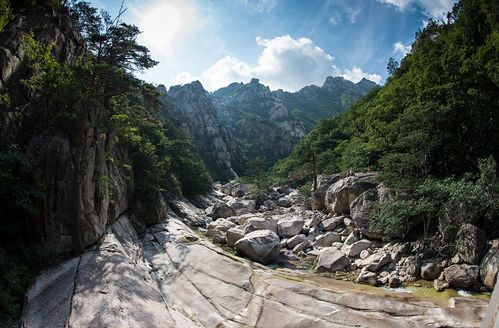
(287, 44)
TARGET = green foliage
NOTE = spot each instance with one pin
(5, 13)
(426, 129)
(436, 115)
(306, 189)
(19, 197)
(456, 202)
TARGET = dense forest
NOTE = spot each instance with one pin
(431, 130)
(96, 89)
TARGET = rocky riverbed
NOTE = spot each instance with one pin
(173, 276)
(337, 238)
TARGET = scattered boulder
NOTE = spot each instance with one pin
(430, 271)
(365, 254)
(326, 239)
(243, 206)
(233, 235)
(394, 281)
(220, 225)
(375, 261)
(315, 220)
(440, 285)
(301, 247)
(331, 259)
(343, 192)
(462, 275)
(293, 241)
(411, 266)
(289, 227)
(323, 183)
(368, 278)
(257, 223)
(270, 204)
(222, 210)
(261, 246)
(284, 202)
(470, 243)
(239, 190)
(489, 266)
(332, 223)
(218, 237)
(356, 248)
(352, 238)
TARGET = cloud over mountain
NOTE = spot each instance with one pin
(285, 63)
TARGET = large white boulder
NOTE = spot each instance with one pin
(342, 193)
(331, 259)
(262, 246)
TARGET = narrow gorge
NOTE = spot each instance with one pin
(286, 191)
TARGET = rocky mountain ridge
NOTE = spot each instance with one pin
(193, 109)
(245, 121)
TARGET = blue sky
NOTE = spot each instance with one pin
(285, 43)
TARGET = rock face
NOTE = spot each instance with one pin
(332, 260)
(489, 266)
(47, 27)
(470, 243)
(194, 109)
(319, 195)
(462, 276)
(261, 246)
(342, 193)
(172, 279)
(51, 154)
(362, 209)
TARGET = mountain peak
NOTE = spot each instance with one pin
(255, 81)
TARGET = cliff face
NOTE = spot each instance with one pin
(194, 110)
(105, 187)
(47, 27)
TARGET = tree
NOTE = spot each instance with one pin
(256, 169)
(392, 66)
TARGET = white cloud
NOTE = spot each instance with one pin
(401, 49)
(356, 74)
(431, 8)
(285, 63)
(164, 24)
(261, 6)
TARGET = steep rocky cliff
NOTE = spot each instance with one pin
(194, 110)
(105, 188)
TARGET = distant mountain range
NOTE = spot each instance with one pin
(240, 122)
